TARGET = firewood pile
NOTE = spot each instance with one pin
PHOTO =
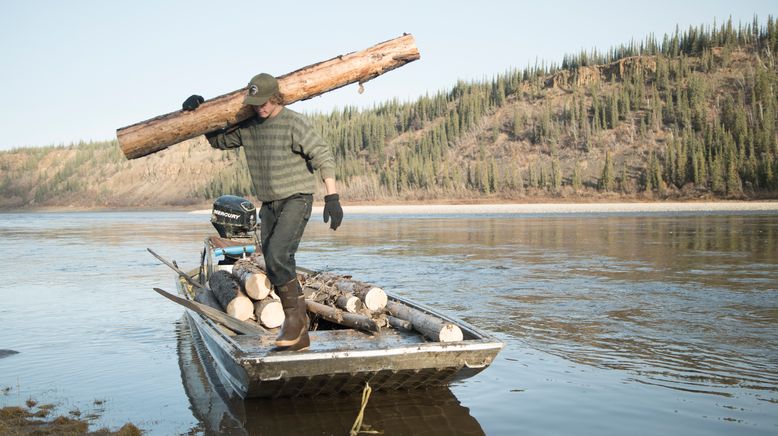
(246, 293)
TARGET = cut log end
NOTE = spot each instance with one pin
(375, 299)
(349, 303)
(241, 308)
(269, 312)
(450, 333)
(257, 286)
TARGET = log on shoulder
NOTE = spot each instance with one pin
(158, 133)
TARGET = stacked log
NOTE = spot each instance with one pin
(372, 297)
(253, 280)
(255, 283)
(349, 302)
(227, 290)
(337, 299)
(432, 327)
(399, 323)
(339, 290)
(269, 312)
(352, 320)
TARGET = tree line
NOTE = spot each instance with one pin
(702, 124)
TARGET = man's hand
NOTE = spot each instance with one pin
(192, 103)
(333, 210)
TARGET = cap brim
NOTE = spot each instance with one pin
(256, 100)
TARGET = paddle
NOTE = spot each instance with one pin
(215, 315)
(186, 276)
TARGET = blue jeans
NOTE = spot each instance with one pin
(282, 225)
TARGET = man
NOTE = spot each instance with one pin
(282, 151)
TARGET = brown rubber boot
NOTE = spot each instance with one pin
(294, 331)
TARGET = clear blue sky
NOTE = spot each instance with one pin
(78, 70)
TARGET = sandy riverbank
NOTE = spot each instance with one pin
(553, 208)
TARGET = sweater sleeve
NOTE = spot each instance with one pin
(225, 139)
(310, 144)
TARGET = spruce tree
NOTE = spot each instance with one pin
(556, 175)
(606, 178)
(576, 182)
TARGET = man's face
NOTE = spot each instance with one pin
(266, 110)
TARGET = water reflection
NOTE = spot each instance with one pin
(219, 411)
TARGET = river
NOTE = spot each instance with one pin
(625, 323)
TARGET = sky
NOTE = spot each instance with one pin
(78, 70)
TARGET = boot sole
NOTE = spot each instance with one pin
(303, 342)
(292, 342)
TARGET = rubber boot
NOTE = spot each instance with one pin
(294, 331)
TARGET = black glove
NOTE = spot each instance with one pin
(192, 103)
(333, 210)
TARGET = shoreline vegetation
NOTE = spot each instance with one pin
(551, 208)
(560, 208)
(470, 208)
(37, 419)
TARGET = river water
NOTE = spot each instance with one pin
(614, 324)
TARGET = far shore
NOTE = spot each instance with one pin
(552, 208)
(469, 208)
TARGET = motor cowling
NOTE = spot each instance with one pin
(233, 216)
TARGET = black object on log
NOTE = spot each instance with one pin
(226, 289)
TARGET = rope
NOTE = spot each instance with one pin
(357, 427)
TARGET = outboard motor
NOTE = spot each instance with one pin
(234, 217)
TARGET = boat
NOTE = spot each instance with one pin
(339, 359)
(434, 411)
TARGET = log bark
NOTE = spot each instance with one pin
(226, 289)
(158, 133)
(269, 312)
(430, 326)
(254, 282)
(352, 320)
(399, 323)
(205, 296)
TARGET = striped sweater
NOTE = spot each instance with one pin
(281, 152)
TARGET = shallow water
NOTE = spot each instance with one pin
(613, 324)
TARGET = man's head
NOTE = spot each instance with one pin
(263, 95)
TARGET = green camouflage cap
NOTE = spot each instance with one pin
(260, 89)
